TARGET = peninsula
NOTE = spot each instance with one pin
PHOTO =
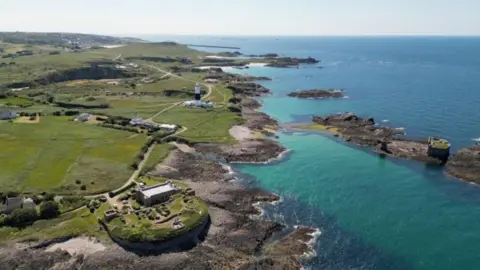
(136, 134)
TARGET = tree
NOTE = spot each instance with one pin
(49, 209)
(49, 197)
(20, 217)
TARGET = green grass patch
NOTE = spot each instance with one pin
(159, 153)
(57, 155)
(203, 125)
(72, 224)
(16, 101)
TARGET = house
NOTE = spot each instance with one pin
(156, 194)
(211, 80)
(167, 127)
(7, 115)
(13, 203)
(83, 117)
(28, 203)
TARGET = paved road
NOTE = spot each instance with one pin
(118, 57)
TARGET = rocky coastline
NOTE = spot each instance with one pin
(234, 239)
(317, 93)
(465, 164)
(383, 140)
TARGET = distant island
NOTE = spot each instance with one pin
(317, 93)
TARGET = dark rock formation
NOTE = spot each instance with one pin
(248, 89)
(385, 140)
(317, 93)
(465, 164)
(230, 77)
(229, 54)
(294, 243)
(252, 151)
(286, 62)
(267, 55)
(218, 60)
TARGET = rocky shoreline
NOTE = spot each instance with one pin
(234, 239)
(383, 140)
(317, 93)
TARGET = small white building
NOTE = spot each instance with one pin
(8, 115)
(168, 127)
(211, 80)
(83, 117)
(28, 203)
(198, 103)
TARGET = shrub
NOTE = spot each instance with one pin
(21, 217)
(111, 194)
(12, 194)
(49, 209)
(49, 197)
(90, 99)
(83, 187)
(37, 199)
(78, 182)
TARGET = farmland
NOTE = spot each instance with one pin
(57, 155)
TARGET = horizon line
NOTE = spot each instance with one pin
(260, 35)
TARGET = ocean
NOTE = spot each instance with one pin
(372, 213)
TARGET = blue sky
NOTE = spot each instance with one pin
(244, 17)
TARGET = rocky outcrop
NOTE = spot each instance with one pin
(286, 62)
(465, 164)
(252, 151)
(230, 77)
(248, 89)
(296, 243)
(229, 54)
(317, 93)
(384, 140)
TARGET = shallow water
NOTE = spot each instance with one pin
(374, 213)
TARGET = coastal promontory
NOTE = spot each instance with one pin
(317, 93)
(385, 140)
(465, 164)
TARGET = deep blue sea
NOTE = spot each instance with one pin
(373, 213)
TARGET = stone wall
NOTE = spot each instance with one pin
(156, 246)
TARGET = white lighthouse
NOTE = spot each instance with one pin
(197, 91)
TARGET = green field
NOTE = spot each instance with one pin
(159, 153)
(55, 154)
(203, 125)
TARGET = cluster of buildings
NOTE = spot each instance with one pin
(13, 203)
(149, 125)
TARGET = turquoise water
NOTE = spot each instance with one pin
(375, 213)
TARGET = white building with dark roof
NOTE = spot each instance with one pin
(156, 194)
